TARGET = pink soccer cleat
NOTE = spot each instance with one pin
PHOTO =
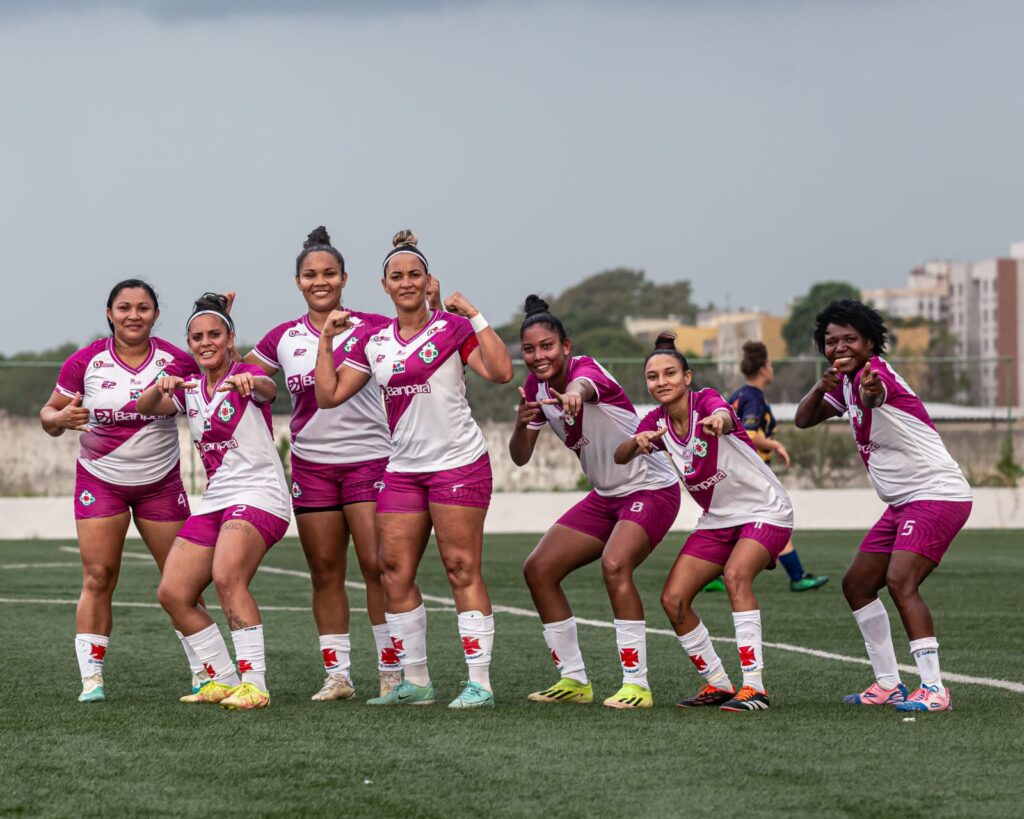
(876, 695)
(928, 698)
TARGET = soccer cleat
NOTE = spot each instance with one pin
(210, 692)
(335, 687)
(472, 695)
(630, 696)
(808, 582)
(199, 681)
(246, 697)
(707, 696)
(876, 695)
(748, 699)
(92, 689)
(388, 681)
(406, 693)
(565, 690)
(927, 698)
(715, 585)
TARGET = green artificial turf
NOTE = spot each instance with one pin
(142, 753)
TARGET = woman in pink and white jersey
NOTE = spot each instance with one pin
(128, 463)
(746, 522)
(928, 498)
(619, 522)
(243, 512)
(337, 462)
(439, 473)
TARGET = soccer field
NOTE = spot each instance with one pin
(143, 753)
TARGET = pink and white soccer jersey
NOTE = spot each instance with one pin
(904, 455)
(353, 432)
(122, 446)
(724, 475)
(423, 385)
(602, 424)
(234, 438)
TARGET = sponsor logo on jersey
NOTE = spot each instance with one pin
(133, 395)
(107, 417)
(379, 339)
(296, 383)
(398, 367)
(718, 477)
(160, 362)
(405, 390)
(582, 442)
(207, 426)
(301, 351)
(295, 332)
(98, 364)
(867, 448)
(108, 385)
(226, 411)
(192, 412)
(380, 358)
(216, 446)
(86, 498)
(296, 491)
(136, 381)
(350, 344)
(428, 353)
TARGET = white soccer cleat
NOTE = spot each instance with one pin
(92, 689)
(389, 680)
(335, 687)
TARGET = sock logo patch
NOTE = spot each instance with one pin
(243, 666)
(699, 662)
(747, 657)
(389, 656)
(471, 645)
(399, 645)
(97, 652)
(210, 670)
(330, 657)
(629, 657)
(554, 656)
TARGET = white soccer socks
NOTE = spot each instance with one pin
(698, 647)
(748, 642)
(873, 621)
(388, 656)
(631, 639)
(194, 665)
(565, 649)
(91, 650)
(212, 652)
(336, 650)
(409, 639)
(477, 632)
(926, 655)
(252, 659)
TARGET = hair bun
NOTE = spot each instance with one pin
(317, 236)
(535, 304)
(212, 301)
(665, 341)
(403, 238)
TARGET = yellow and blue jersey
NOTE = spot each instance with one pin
(755, 413)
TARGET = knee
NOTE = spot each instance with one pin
(99, 579)
(228, 582)
(170, 598)
(461, 572)
(324, 576)
(615, 570)
(675, 606)
(855, 590)
(901, 587)
(535, 572)
(737, 580)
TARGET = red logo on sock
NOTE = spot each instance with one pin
(471, 645)
(555, 657)
(330, 656)
(97, 652)
(209, 670)
(747, 656)
(389, 656)
(698, 661)
(629, 657)
(398, 643)
(243, 666)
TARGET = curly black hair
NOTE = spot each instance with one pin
(849, 313)
(318, 241)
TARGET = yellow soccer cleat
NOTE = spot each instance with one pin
(631, 696)
(565, 690)
(246, 697)
(211, 691)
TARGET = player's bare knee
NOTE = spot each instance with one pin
(462, 573)
(615, 570)
(737, 580)
(675, 606)
(901, 587)
(99, 580)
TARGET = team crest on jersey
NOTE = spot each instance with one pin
(162, 374)
(700, 447)
(398, 367)
(226, 411)
(350, 344)
(296, 491)
(857, 415)
(428, 353)
(86, 498)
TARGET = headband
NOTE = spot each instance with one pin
(222, 316)
(406, 249)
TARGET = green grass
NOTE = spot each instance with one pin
(142, 753)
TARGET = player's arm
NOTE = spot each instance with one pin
(769, 445)
(490, 360)
(577, 393)
(260, 387)
(256, 361)
(157, 399)
(335, 385)
(61, 413)
(524, 439)
(813, 408)
(717, 423)
(639, 444)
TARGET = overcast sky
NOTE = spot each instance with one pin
(751, 147)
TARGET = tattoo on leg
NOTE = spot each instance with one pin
(235, 622)
(237, 525)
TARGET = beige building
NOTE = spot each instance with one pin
(716, 335)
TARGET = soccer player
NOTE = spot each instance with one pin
(619, 522)
(128, 463)
(928, 498)
(747, 520)
(439, 473)
(243, 512)
(755, 413)
(337, 459)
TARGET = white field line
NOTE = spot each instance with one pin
(448, 604)
(56, 601)
(5, 566)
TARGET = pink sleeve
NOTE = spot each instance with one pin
(530, 388)
(266, 349)
(586, 369)
(182, 365)
(72, 374)
(178, 397)
(649, 423)
(890, 384)
(836, 399)
(711, 402)
(356, 356)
